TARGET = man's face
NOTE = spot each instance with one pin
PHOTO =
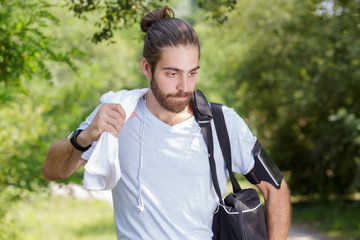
(174, 78)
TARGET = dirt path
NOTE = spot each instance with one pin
(296, 232)
(304, 233)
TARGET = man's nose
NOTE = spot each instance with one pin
(183, 84)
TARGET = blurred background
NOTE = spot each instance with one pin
(290, 68)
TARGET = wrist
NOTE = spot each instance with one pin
(78, 142)
(83, 140)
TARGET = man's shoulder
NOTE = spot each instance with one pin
(228, 111)
(232, 118)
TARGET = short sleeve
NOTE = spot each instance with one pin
(242, 142)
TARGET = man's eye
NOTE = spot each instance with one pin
(172, 74)
(193, 74)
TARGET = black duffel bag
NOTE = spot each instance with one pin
(241, 217)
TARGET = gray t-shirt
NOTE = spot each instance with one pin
(165, 173)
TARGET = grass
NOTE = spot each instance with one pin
(54, 217)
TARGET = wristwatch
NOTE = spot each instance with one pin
(75, 143)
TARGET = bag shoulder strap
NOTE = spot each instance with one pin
(204, 114)
(223, 138)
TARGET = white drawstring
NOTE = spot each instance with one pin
(140, 206)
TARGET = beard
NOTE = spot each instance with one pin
(165, 99)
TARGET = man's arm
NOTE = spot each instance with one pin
(278, 209)
(63, 159)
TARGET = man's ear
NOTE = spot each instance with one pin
(146, 68)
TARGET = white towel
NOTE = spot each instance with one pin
(102, 171)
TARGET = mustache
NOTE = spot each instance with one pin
(180, 94)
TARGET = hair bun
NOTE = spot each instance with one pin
(154, 16)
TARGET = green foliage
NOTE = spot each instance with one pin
(218, 10)
(21, 133)
(297, 78)
(116, 15)
(36, 113)
(51, 110)
(24, 44)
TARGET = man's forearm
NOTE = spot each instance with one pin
(61, 161)
(278, 212)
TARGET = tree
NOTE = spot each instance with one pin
(24, 45)
(300, 82)
(124, 13)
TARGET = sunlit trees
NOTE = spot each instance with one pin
(298, 79)
(25, 45)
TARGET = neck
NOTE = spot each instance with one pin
(164, 115)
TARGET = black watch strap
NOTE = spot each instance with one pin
(75, 143)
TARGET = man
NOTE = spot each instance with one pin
(165, 190)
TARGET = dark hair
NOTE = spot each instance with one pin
(164, 30)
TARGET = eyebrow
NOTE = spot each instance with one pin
(179, 70)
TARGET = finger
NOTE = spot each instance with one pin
(112, 130)
(114, 114)
(107, 115)
(115, 123)
(119, 109)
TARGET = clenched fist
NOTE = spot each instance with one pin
(110, 118)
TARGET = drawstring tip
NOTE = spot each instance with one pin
(140, 208)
